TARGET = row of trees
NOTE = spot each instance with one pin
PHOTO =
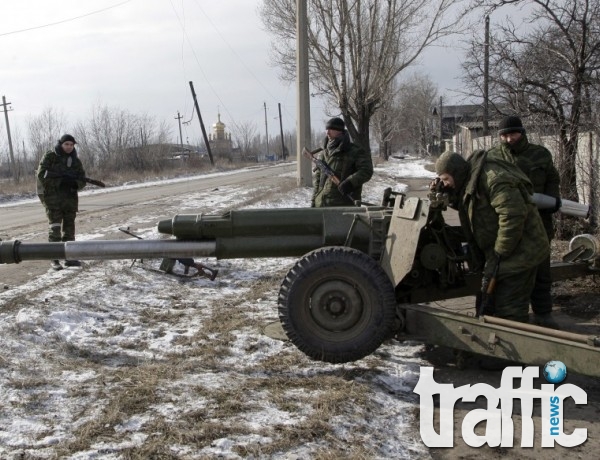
(116, 140)
(112, 139)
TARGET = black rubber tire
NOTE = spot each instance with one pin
(337, 305)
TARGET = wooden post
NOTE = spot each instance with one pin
(201, 124)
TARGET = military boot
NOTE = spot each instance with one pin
(55, 264)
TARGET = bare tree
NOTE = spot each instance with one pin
(416, 98)
(17, 165)
(358, 47)
(44, 131)
(244, 134)
(115, 139)
(386, 124)
(546, 71)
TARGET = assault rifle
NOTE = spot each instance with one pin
(484, 301)
(54, 175)
(325, 168)
(167, 265)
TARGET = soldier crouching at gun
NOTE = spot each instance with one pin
(500, 221)
(60, 177)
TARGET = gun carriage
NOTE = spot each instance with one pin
(364, 275)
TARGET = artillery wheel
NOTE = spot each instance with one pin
(337, 304)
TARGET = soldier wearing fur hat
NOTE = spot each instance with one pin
(501, 224)
(58, 175)
(351, 164)
(536, 162)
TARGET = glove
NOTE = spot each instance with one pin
(346, 187)
(434, 185)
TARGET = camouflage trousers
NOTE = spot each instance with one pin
(512, 295)
(62, 224)
(541, 297)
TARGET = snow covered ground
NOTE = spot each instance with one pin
(117, 360)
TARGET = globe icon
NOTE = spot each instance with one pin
(555, 371)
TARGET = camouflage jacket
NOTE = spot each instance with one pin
(536, 162)
(59, 191)
(348, 161)
(497, 214)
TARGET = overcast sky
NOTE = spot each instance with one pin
(139, 55)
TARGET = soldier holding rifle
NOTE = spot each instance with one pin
(60, 176)
(349, 168)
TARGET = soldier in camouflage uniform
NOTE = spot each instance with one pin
(59, 175)
(500, 222)
(536, 162)
(351, 164)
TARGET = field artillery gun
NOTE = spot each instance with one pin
(364, 275)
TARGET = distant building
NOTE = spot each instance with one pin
(455, 115)
(446, 124)
(462, 128)
(220, 141)
(469, 136)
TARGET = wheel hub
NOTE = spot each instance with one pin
(336, 305)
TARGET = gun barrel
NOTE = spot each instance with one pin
(286, 232)
(14, 252)
(567, 207)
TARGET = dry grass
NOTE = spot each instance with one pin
(311, 400)
(318, 398)
(136, 390)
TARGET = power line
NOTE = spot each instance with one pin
(207, 81)
(224, 40)
(64, 20)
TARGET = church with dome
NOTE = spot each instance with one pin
(220, 142)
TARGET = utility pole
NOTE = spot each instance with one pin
(201, 124)
(486, 78)
(178, 118)
(303, 139)
(10, 146)
(441, 127)
(281, 132)
(266, 129)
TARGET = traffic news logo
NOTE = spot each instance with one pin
(499, 430)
